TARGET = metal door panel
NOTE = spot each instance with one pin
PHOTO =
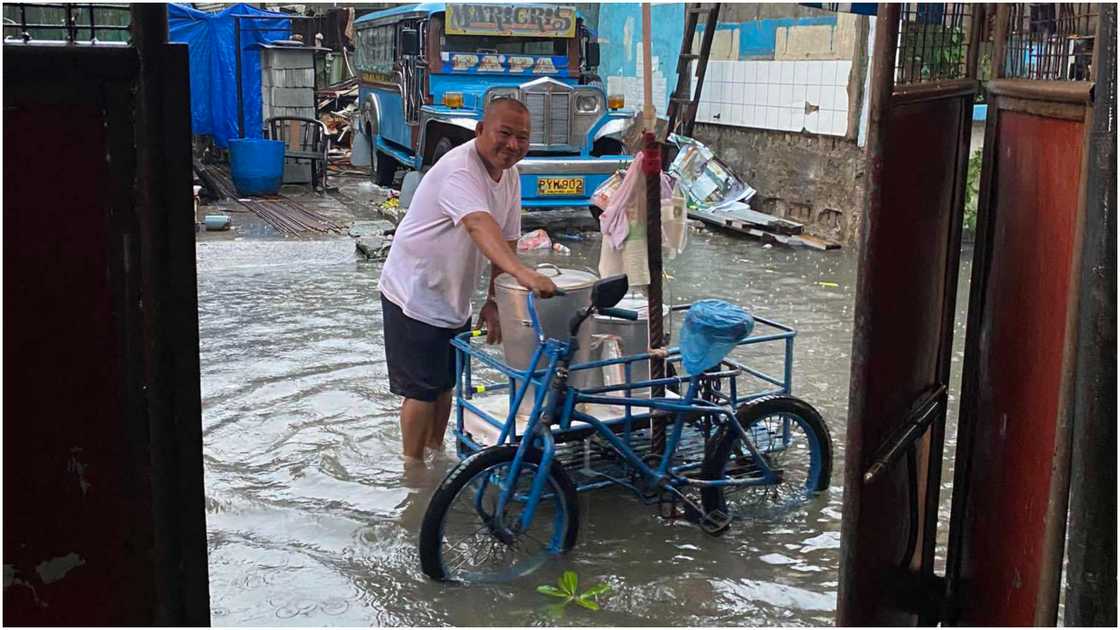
(917, 156)
(1017, 371)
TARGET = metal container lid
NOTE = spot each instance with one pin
(635, 302)
(566, 279)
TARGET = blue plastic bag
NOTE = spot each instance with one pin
(711, 329)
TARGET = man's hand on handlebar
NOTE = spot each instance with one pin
(539, 284)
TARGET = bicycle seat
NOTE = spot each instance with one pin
(711, 329)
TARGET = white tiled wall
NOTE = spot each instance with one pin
(774, 94)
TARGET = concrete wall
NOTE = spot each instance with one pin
(783, 101)
(813, 179)
(784, 105)
(801, 71)
(287, 83)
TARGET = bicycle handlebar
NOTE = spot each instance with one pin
(534, 318)
(621, 313)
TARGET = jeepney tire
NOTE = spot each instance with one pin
(443, 145)
(382, 168)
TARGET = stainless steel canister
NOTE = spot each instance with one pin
(555, 313)
(633, 335)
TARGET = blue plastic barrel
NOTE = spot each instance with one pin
(256, 166)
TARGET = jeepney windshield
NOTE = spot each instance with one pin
(512, 45)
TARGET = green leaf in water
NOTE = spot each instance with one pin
(601, 588)
(587, 603)
(551, 590)
(569, 583)
(569, 591)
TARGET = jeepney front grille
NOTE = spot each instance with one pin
(550, 116)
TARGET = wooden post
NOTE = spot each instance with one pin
(651, 169)
(649, 116)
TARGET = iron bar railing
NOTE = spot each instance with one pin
(66, 22)
(1050, 41)
(933, 42)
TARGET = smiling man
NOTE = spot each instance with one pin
(466, 209)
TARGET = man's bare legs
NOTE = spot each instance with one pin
(439, 422)
(416, 420)
(423, 424)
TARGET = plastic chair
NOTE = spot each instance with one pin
(304, 139)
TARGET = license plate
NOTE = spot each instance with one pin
(559, 186)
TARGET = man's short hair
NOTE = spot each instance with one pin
(505, 101)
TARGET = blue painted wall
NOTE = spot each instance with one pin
(620, 33)
(758, 38)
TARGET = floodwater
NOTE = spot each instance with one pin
(311, 521)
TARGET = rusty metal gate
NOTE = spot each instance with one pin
(923, 85)
(1040, 351)
(1015, 440)
(105, 521)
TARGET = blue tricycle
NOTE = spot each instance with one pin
(510, 504)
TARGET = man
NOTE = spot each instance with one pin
(468, 206)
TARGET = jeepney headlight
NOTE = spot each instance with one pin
(616, 101)
(453, 100)
(587, 103)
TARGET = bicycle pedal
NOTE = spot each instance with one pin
(715, 522)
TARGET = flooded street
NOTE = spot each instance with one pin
(309, 519)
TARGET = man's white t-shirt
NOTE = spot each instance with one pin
(433, 265)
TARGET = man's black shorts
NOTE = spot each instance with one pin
(420, 356)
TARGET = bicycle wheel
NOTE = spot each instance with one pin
(794, 441)
(462, 539)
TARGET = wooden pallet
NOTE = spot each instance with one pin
(762, 226)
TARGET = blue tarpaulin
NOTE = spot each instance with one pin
(212, 42)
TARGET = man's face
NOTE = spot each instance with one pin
(503, 136)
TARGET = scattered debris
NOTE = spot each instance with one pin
(705, 179)
(372, 238)
(818, 243)
(215, 222)
(336, 106)
(281, 212)
(537, 239)
(373, 247)
(716, 196)
(560, 219)
(409, 185)
(361, 229)
(561, 249)
(570, 234)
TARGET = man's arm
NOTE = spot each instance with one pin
(495, 270)
(485, 233)
(488, 316)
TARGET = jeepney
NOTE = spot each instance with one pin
(426, 72)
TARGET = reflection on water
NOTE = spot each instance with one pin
(312, 520)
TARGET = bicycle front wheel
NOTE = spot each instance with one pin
(464, 539)
(790, 438)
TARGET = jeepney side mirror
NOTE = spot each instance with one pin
(592, 54)
(410, 42)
